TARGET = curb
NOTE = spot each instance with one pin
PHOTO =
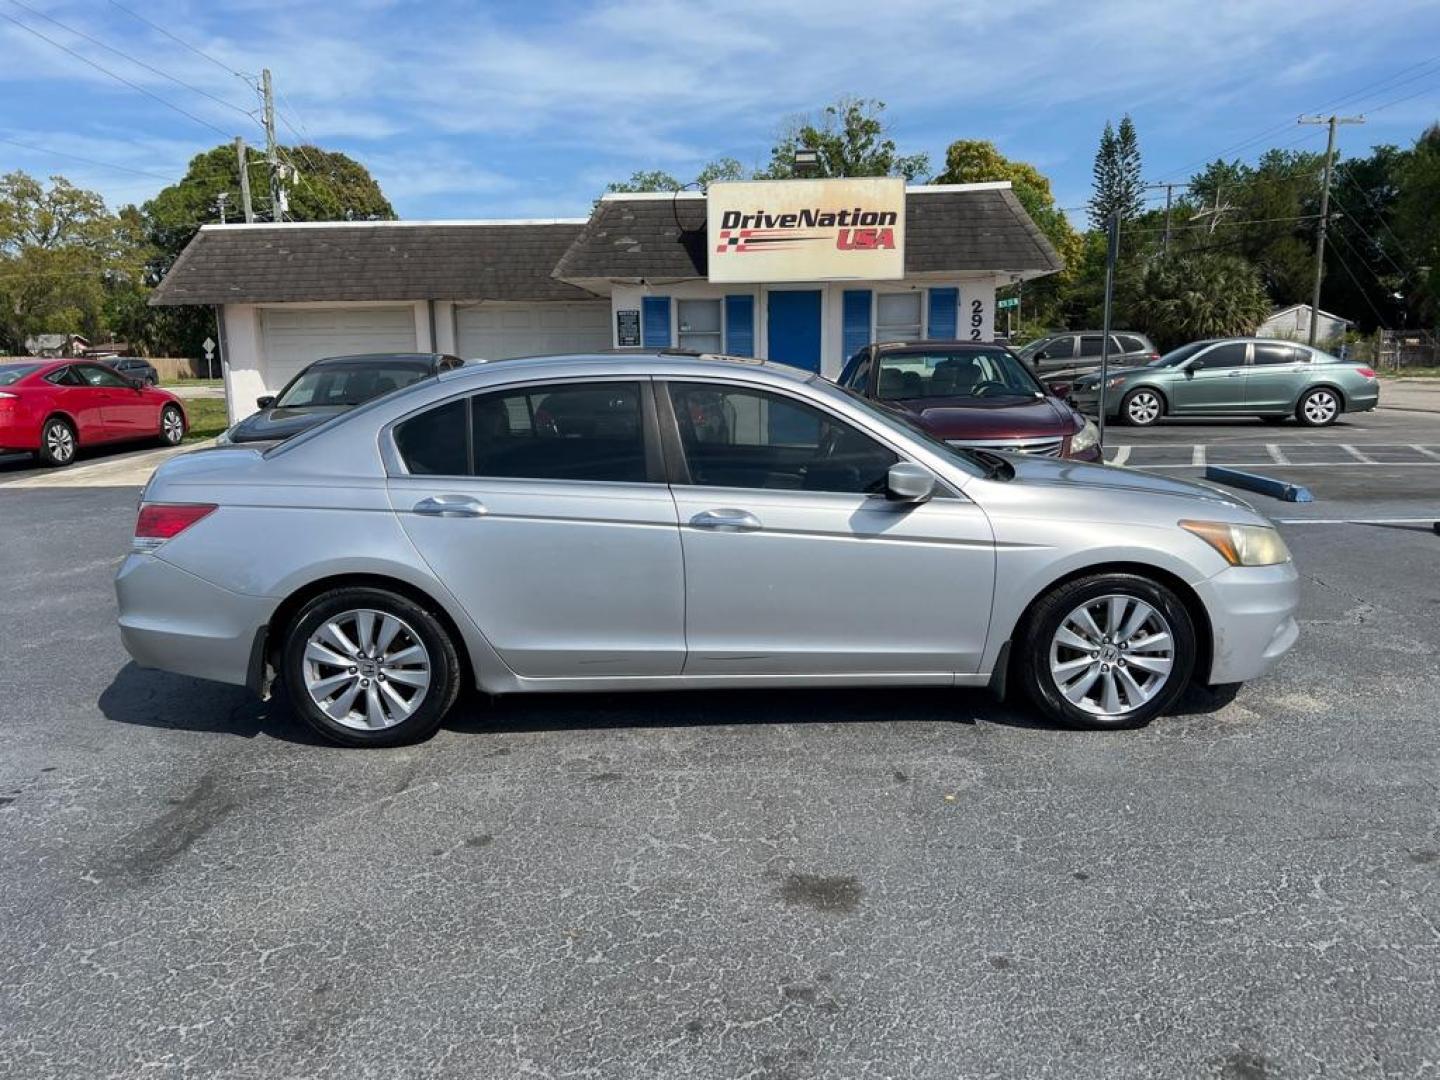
(1265, 485)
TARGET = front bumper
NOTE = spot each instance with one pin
(1088, 402)
(172, 620)
(1252, 617)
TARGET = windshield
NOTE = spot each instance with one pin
(1178, 356)
(348, 384)
(13, 373)
(906, 426)
(982, 374)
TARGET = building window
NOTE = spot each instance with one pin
(897, 316)
(699, 325)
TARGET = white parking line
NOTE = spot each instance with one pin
(1311, 465)
(1197, 454)
(1358, 521)
(1276, 454)
(1122, 455)
(1356, 454)
(1427, 452)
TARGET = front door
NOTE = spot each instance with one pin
(793, 322)
(128, 413)
(544, 510)
(1217, 386)
(797, 564)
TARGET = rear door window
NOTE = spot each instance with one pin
(580, 431)
(1270, 353)
(1091, 344)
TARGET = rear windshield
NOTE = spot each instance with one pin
(349, 384)
(954, 373)
(13, 373)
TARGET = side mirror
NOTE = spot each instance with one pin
(136, 384)
(907, 482)
(1198, 365)
(265, 401)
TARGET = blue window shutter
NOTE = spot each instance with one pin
(740, 325)
(944, 306)
(855, 320)
(656, 321)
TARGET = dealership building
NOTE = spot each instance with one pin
(801, 271)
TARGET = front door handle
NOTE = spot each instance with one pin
(1234, 374)
(451, 506)
(726, 520)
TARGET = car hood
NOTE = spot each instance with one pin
(272, 425)
(1031, 469)
(1005, 418)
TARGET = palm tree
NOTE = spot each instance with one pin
(1201, 296)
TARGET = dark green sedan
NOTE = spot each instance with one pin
(1234, 377)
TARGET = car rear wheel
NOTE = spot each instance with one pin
(57, 444)
(1142, 408)
(172, 425)
(368, 667)
(1107, 651)
(1318, 408)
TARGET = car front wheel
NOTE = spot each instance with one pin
(1318, 408)
(368, 667)
(1142, 408)
(1107, 651)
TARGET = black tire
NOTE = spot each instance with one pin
(1034, 638)
(1133, 414)
(419, 622)
(57, 443)
(1320, 407)
(172, 426)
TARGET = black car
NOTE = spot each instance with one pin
(332, 386)
(133, 367)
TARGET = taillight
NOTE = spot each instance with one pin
(1369, 373)
(1154, 356)
(159, 522)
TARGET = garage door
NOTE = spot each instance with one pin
(499, 331)
(294, 338)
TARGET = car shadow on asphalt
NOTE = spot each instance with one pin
(158, 699)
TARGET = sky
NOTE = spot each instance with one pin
(528, 109)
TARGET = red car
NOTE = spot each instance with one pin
(971, 394)
(51, 408)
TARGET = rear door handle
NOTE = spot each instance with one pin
(1235, 374)
(451, 506)
(726, 520)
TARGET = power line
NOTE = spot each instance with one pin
(1350, 217)
(86, 160)
(181, 41)
(134, 60)
(1379, 318)
(118, 78)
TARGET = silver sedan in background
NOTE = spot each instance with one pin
(660, 522)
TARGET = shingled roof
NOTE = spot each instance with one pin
(948, 228)
(237, 264)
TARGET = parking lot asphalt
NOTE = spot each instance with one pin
(799, 884)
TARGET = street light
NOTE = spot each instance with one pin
(806, 161)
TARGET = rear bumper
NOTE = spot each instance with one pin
(172, 620)
(1363, 400)
(1252, 616)
(17, 435)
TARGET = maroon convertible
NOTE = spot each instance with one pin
(971, 395)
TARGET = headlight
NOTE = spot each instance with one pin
(224, 438)
(1241, 545)
(1087, 437)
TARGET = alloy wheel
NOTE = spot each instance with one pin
(1320, 407)
(1143, 408)
(172, 426)
(60, 442)
(366, 669)
(1111, 655)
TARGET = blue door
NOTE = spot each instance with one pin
(793, 330)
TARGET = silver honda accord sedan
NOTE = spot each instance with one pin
(654, 522)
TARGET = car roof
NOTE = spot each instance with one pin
(388, 358)
(655, 362)
(936, 343)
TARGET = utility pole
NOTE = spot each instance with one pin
(220, 201)
(272, 157)
(243, 157)
(1169, 197)
(1112, 255)
(1334, 122)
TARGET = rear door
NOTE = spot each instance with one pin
(1277, 372)
(797, 564)
(543, 508)
(1217, 385)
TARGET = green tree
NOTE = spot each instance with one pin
(1417, 222)
(62, 254)
(651, 180)
(1119, 184)
(1199, 296)
(851, 138)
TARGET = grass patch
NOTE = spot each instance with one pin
(1411, 373)
(208, 418)
(172, 383)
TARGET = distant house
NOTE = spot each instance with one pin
(1293, 323)
(56, 345)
